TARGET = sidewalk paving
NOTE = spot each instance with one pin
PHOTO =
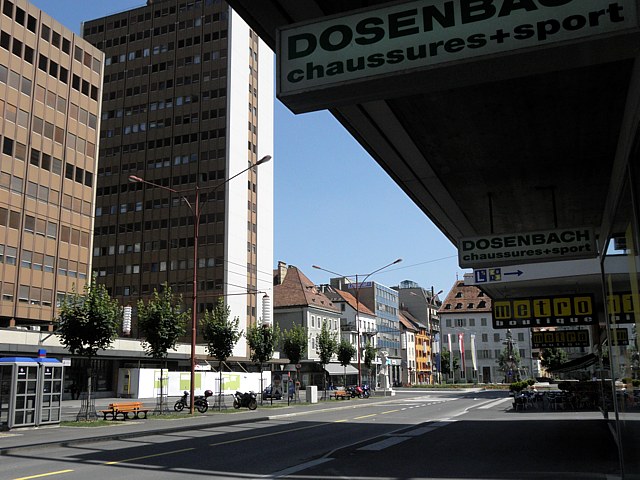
(29, 438)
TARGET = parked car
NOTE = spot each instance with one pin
(266, 393)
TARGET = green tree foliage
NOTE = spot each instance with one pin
(220, 333)
(89, 323)
(369, 357)
(327, 343)
(552, 358)
(445, 362)
(262, 341)
(346, 351)
(294, 343)
(161, 322)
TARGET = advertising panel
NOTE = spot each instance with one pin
(528, 247)
(552, 311)
(428, 33)
(560, 339)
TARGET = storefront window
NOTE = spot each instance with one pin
(621, 267)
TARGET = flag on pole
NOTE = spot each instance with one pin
(463, 365)
(450, 354)
(473, 353)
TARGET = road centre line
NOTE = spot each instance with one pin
(270, 434)
(389, 411)
(42, 475)
(365, 416)
(149, 456)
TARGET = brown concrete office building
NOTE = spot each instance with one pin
(50, 90)
(187, 103)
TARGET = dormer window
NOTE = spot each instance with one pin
(458, 294)
(470, 305)
(482, 304)
(447, 306)
(458, 306)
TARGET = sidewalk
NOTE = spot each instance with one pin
(23, 439)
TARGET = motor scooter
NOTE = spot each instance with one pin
(200, 402)
(247, 399)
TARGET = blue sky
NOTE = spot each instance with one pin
(334, 206)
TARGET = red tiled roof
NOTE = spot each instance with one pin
(296, 290)
(351, 300)
(406, 322)
(465, 298)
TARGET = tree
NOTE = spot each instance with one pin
(509, 363)
(262, 341)
(327, 346)
(161, 322)
(445, 362)
(552, 358)
(369, 357)
(294, 344)
(88, 323)
(346, 351)
(221, 334)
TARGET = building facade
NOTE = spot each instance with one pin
(466, 321)
(383, 302)
(423, 305)
(297, 301)
(356, 320)
(50, 92)
(187, 105)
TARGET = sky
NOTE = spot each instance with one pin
(334, 206)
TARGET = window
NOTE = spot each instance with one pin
(496, 337)
(521, 337)
(472, 322)
(485, 337)
(483, 322)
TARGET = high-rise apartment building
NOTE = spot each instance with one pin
(187, 103)
(50, 92)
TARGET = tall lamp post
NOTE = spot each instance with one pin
(196, 211)
(358, 284)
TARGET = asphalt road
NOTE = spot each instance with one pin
(414, 435)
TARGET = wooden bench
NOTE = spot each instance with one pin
(125, 408)
(340, 395)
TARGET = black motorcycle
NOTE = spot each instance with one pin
(200, 402)
(247, 399)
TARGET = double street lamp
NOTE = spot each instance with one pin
(196, 210)
(357, 295)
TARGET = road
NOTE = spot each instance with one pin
(412, 435)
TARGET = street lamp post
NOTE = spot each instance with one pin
(358, 284)
(196, 211)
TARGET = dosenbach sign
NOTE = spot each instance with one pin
(528, 247)
(556, 311)
(428, 33)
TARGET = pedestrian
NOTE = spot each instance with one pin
(75, 391)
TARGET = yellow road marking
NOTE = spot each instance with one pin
(148, 456)
(265, 435)
(365, 416)
(340, 421)
(44, 474)
(389, 411)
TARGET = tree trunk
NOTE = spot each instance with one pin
(220, 386)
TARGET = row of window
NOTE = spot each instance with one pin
(165, 142)
(462, 322)
(177, 101)
(162, 123)
(20, 16)
(16, 47)
(160, 30)
(54, 69)
(15, 81)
